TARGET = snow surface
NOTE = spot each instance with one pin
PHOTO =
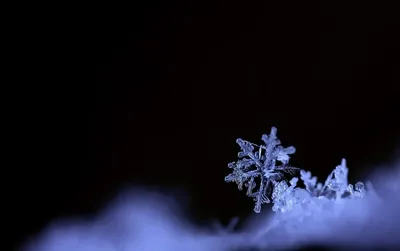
(141, 221)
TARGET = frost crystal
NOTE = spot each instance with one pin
(269, 163)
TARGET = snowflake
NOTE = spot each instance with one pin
(268, 164)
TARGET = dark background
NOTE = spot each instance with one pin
(155, 94)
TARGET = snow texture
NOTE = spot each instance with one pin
(333, 214)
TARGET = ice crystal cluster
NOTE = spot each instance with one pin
(264, 168)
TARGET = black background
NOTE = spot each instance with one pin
(155, 94)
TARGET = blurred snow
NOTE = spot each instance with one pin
(135, 221)
(140, 221)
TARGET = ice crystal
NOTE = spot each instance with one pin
(269, 163)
